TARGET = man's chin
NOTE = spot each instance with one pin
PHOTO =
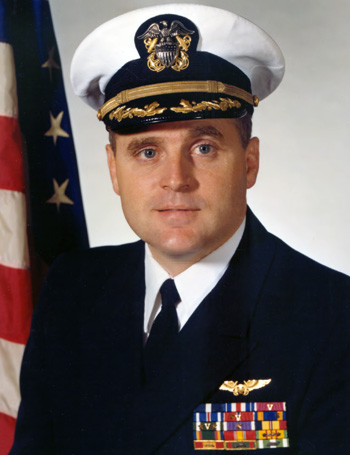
(179, 250)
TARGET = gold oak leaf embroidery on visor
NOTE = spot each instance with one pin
(122, 112)
(166, 88)
(223, 105)
(149, 110)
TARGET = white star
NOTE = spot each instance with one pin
(56, 129)
(59, 196)
(50, 63)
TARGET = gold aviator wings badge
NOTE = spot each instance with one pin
(246, 387)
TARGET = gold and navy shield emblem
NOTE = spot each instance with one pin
(167, 46)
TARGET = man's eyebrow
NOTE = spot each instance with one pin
(142, 142)
(195, 132)
(205, 131)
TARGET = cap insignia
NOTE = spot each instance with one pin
(167, 46)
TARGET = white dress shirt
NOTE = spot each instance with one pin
(193, 284)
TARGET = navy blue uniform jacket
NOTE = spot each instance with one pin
(275, 315)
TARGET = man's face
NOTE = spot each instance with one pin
(183, 186)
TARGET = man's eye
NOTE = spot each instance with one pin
(204, 149)
(148, 153)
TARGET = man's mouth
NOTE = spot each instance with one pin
(178, 209)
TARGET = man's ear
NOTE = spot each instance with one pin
(252, 161)
(112, 165)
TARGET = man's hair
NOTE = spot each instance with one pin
(243, 124)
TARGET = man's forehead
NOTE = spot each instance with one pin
(194, 128)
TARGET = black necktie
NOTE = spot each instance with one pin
(164, 328)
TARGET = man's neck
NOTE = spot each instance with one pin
(176, 264)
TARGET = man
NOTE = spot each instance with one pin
(209, 334)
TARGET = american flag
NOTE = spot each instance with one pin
(37, 164)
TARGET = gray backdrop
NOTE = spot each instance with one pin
(303, 189)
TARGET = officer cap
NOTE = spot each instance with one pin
(175, 62)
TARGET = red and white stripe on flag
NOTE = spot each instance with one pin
(15, 285)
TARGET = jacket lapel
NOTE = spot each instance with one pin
(213, 344)
(121, 304)
(131, 314)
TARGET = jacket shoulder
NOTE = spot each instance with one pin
(97, 261)
(295, 262)
(319, 294)
(293, 272)
(76, 276)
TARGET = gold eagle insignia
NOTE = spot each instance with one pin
(246, 387)
(167, 46)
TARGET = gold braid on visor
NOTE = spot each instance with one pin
(167, 88)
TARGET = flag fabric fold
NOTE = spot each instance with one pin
(38, 166)
(56, 207)
(15, 284)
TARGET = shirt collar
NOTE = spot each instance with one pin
(193, 284)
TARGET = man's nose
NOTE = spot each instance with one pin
(178, 173)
